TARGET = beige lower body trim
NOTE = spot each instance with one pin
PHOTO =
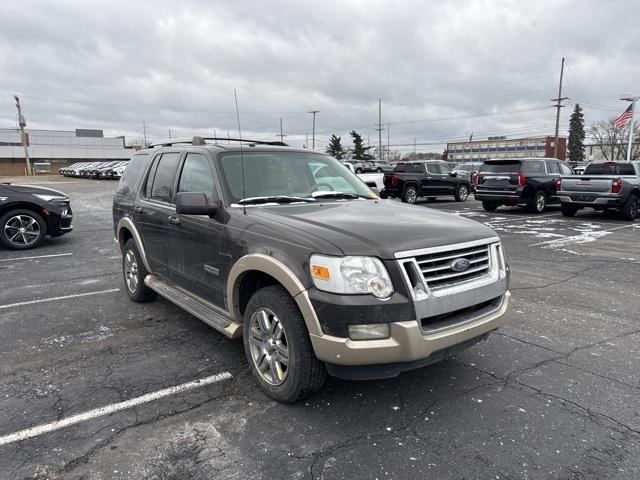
(406, 343)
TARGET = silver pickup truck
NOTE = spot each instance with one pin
(602, 186)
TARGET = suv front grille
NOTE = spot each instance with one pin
(437, 268)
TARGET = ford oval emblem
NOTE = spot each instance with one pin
(460, 264)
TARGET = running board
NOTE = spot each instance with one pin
(196, 306)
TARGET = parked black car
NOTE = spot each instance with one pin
(291, 251)
(29, 213)
(528, 182)
(430, 179)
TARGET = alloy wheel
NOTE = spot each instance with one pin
(540, 202)
(22, 230)
(463, 192)
(411, 195)
(269, 347)
(131, 271)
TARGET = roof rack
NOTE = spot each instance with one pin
(202, 141)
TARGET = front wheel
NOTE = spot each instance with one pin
(278, 347)
(568, 210)
(461, 194)
(134, 273)
(22, 229)
(631, 208)
(410, 195)
(358, 170)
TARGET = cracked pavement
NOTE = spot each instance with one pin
(552, 395)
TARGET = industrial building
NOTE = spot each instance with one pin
(58, 147)
(501, 147)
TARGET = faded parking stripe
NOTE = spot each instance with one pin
(64, 297)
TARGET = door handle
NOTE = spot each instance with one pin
(138, 210)
(174, 220)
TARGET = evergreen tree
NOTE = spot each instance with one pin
(359, 150)
(335, 148)
(445, 155)
(576, 135)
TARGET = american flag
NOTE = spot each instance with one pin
(623, 117)
(467, 144)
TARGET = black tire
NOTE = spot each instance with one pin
(378, 170)
(358, 170)
(538, 203)
(410, 195)
(22, 229)
(462, 193)
(134, 273)
(631, 208)
(489, 207)
(568, 210)
(305, 374)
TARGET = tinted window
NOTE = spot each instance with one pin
(552, 166)
(400, 167)
(534, 166)
(514, 166)
(163, 178)
(415, 168)
(131, 174)
(609, 169)
(626, 169)
(196, 176)
(433, 168)
(565, 169)
(152, 173)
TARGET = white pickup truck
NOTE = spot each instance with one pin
(602, 186)
(367, 178)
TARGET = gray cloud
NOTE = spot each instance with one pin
(443, 69)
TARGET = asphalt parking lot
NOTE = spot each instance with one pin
(554, 394)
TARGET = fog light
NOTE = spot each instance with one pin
(375, 331)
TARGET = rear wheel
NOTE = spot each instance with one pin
(538, 204)
(568, 210)
(410, 195)
(278, 348)
(489, 206)
(462, 192)
(358, 170)
(631, 208)
(22, 229)
(134, 273)
(378, 170)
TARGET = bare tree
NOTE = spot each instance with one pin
(613, 140)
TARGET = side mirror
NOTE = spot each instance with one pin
(191, 203)
(453, 174)
(373, 186)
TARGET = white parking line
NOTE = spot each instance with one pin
(64, 297)
(109, 409)
(35, 257)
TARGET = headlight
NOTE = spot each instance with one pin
(351, 275)
(49, 198)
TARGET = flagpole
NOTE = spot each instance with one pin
(630, 144)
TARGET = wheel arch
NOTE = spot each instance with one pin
(126, 230)
(252, 271)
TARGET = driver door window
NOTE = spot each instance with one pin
(196, 176)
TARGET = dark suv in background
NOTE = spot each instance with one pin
(412, 180)
(291, 251)
(528, 182)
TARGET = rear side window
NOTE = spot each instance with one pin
(162, 181)
(565, 169)
(400, 167)
(552, 166)
(534, 166)
(196, 176)
(131, 174)
(502, 167)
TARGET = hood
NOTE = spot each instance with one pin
(380, 228)
(34, 189)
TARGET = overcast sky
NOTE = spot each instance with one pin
(443, 69)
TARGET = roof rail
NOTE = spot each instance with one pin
(202, 141)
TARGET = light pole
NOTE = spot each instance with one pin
(632, 99)
(313, 132)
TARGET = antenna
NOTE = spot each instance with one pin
(244, 205)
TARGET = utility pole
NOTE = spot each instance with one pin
(313, 132)
(379, 129)
(558, 107)
(144, 133)
(23, 123)
(282, 135)
(415, 144)
(633, 99)
(228, 136)
(306, 140)
(169, 133)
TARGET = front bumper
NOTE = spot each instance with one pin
(407, 343)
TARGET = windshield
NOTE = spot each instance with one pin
(290, 174)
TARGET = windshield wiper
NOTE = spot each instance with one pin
(273, 199)
(325, 194)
